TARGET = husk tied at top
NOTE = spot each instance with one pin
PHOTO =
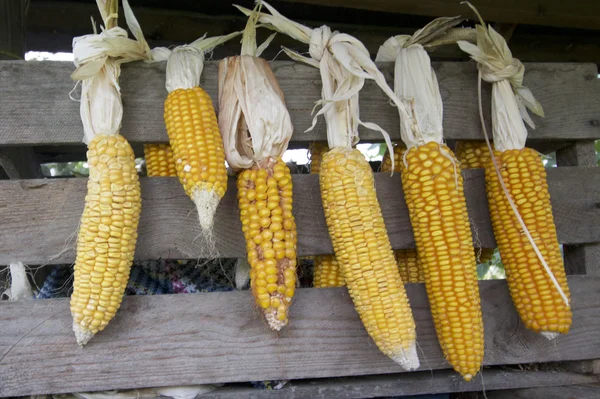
(254, 121)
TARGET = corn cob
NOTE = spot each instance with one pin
(407, 259)
(539, 304)
(361, 244)
(159, 160)
(517, 193)
(265, 201)
(107, 235)
(438, 212)
(198, 150)
(327, 271)
(475, 155)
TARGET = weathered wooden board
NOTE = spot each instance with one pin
(584, 391)
(36, 109)
(417, 383)
(218, 337)
(40, 217)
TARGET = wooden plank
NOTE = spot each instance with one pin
(40, 217)
(586, 391)
(580, 259)
(35, 107)
(219, 337)
(581, 14)
(12, 29)
(418, 383)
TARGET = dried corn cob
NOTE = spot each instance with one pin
(327, 271)
(518, 196)
(475, 155)
(352, 211)
(107, 235)
(194, 134)
(433, 189)
(108, 228)
(407, 259)
(250, 104)
(159, 160)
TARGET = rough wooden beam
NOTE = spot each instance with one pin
(584, 14)
(580, 259)
(12, 29)
(585, 391)
(399, 385)
(36, 109)
(220, 337)
(40, 217)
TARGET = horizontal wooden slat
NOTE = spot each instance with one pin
(219, 337)
(35, 107)
(417, 383)
(40, 217)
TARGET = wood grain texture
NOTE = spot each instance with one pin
(218, 337)
(418, 383)
(582, 14)
(40, 217)
(580, 259)
(36, 109)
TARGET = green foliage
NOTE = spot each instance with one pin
(75, 169)
(492, 270)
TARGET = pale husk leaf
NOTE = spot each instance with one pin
(254, 121)
(509, 108)
(20, 289)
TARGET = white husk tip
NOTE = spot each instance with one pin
(20, 288)
(550, 335)
(274, 323)
(407, 358)
(82, 334)
(206, 203)
(242, 273)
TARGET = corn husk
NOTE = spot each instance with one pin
(98, 59)
(345, 64)
(19, 289)
(253, 118)
(415, 82)
(510, 99)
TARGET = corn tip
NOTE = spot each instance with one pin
(82, 334)
(407, 358)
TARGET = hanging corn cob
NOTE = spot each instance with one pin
(474, 155)
(407, 259)
(256, 129)
(433, 189)
(517, 192)
(327, 271)
(108, 228)
(193, 132)
(159, 160)
(352, 211)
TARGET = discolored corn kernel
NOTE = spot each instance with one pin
(447, 259)
(362, 248)
(271, 244)
(95, 274)
(195, 140)
(536, 298)
(159, 160)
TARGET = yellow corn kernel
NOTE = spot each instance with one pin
(408, 265)
(316, 150)
(270, 234)
(159, 160)
(102, 274)
(327, 272)
(386, 163)
(445, 246)
(196, 142)
(537, 300)
(363, 249)
(474, 154)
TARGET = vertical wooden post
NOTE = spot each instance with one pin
(580, 259)
(17, 162)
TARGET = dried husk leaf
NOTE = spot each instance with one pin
(344, 63)
(253, 119)
(510, 99)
